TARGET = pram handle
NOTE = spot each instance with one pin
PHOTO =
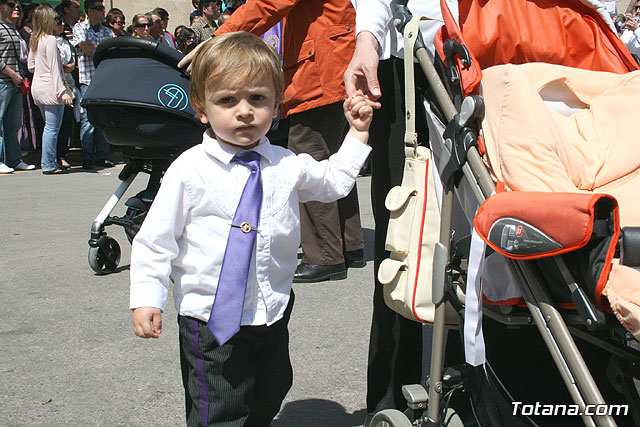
(131, 47)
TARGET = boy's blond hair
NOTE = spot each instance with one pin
(232, 59)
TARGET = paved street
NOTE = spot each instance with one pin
(68, 356)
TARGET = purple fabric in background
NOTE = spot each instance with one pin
(273, 36)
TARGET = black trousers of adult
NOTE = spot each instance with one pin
(241, 383)
(327, 229)
(395, 346)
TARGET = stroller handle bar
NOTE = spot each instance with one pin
(131, 47)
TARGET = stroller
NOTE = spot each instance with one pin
(140, 99)
(564, 289)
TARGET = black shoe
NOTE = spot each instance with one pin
(310, 273)
(355, 259)
(88, 164)
(105, 163)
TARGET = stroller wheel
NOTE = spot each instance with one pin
(390, 418)
(104, 258)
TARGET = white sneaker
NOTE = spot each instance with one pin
(22, 166)
(5, 169)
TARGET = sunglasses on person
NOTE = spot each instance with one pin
(99, 8)
(141, 25)
(11, 4)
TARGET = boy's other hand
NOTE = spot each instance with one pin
(358, 113)
(147, 322)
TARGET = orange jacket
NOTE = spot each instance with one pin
(318, 42)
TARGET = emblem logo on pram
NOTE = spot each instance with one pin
(173, 96)
(517, 237)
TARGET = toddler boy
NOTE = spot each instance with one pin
(225, 227)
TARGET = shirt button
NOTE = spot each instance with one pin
(348, 28)
(310, 52)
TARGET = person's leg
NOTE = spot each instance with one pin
(52, 120)
(10, 115)
(87, 136)
(311, 132)
(65, 133)
(274, 372)
(102, 148)
(219, 380)
(395, 345)
(320, 132)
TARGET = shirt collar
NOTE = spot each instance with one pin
(225, 152)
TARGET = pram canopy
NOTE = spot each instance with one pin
(139, 97)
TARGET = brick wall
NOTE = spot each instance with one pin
(179, 10)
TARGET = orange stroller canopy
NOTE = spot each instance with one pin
(565, 32)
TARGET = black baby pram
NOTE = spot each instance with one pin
(140, 99)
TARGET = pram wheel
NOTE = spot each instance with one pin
(104, 258)
(390, 418)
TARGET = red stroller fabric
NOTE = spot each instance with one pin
(565, 32)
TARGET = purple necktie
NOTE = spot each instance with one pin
(226, 312)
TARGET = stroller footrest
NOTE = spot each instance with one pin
(121, 221)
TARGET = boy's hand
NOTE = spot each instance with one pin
(147, 322)
(358, 113)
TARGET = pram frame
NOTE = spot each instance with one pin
(549, 321)
(143, 153)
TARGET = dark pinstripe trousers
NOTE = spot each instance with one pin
(241, 383)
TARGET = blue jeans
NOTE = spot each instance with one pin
(94, 145)
(10, 121)
(52, 120)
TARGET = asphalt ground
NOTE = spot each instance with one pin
(68, 355)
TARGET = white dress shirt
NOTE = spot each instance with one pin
(631, 39)
(185, 232)
(376, 17)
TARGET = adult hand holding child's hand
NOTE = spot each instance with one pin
(358, 113)
(147, 322)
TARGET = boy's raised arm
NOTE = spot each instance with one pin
(358, 113)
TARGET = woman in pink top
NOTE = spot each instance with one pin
(47, 89)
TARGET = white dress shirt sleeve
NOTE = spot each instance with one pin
(332, 179)
(375, 17)
(156, 244)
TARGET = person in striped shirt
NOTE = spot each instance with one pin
(11, 79)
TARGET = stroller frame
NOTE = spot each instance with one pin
(153, 124)
(424, 407)
(104, 251)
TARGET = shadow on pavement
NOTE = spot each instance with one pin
(318, 413)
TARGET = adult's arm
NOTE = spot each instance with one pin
(51, 52)
(631, 39)
(372, 23)
(81, 40)
(257, 16)
(16, 78)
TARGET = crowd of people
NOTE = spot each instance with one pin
(41, 88)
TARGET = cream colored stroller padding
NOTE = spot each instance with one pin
(554, 128)
(592, 146)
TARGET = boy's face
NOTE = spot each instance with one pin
(240, 114)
